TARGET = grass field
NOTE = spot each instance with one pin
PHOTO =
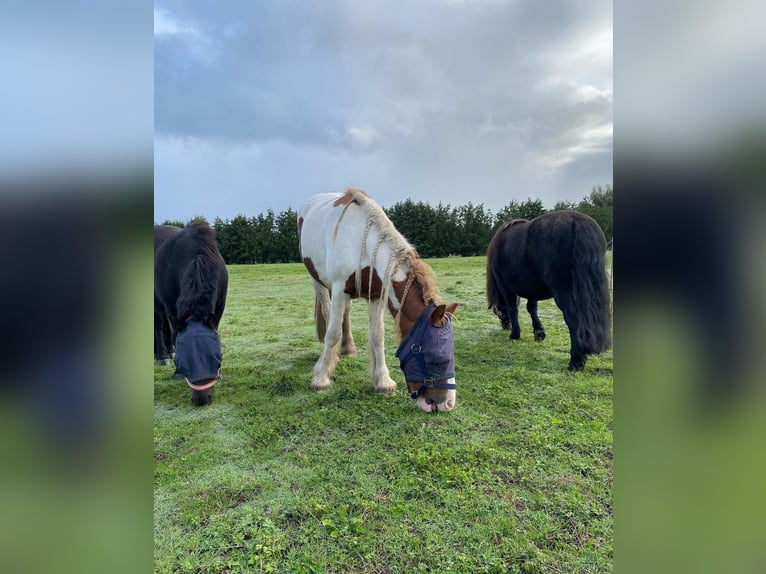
(275, 478)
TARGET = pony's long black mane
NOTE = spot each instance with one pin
(199, 279)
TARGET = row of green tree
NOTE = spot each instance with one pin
(435, 231)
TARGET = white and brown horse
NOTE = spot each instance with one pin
(351, 249)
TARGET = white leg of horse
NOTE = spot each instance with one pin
(329, 359)
(347, 346)
(381, 379)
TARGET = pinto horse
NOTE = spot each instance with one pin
(559, 254)
(190, 285)
(351, 249)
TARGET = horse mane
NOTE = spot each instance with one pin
(199, 281)
(401, 250)
(424, 276)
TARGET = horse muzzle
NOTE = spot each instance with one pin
(202, 391)
(434, 401)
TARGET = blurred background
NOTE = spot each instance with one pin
(76, 145)
(76, 117)
(690, 160)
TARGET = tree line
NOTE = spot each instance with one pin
(437, 231)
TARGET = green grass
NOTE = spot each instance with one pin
(275, 478)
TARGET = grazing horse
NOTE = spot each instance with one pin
(190, 284)
(351, 249)
(560, 254)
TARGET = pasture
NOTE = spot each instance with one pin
(273, 477)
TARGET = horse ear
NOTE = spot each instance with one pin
(437, 316)
(451, 309)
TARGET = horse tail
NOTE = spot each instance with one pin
(493, 289)
(497, 292)
(590, 287)
(321, 324)
(199, 284)
(491, 286)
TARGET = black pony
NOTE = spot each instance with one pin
(560, 254)
(190, 284)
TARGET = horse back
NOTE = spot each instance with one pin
(336, 239)
(559, 241)
(512, 263)
(162, 233)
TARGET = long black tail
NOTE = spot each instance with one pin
(497, 293)
(590, 287)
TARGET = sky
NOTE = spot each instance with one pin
(76, 87)
(260, 105)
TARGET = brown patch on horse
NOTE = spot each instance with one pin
(377, 285)
(312, 270)
(349, 196)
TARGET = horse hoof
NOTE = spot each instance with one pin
(576, 366)
(514, 336)
(319, 385)
(539, 336)
(348, 352)
(164, 362)
(386, 387)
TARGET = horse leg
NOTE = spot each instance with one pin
(347, 346)
(176, 326)
(577, 357)
(322, 311)
(536, 324)
(169, 338)
(381, 378)
(329, 358)
(513, 315)
(160, 349)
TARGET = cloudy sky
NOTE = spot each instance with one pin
(261, 104)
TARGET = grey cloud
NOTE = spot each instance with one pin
(441, 94)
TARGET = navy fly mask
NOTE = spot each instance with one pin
(198, 355)
(427, 356)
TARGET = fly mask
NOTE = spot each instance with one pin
(426, 355)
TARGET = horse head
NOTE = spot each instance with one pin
(198, 360)
(427, 358)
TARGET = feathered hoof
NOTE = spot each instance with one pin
(321, 384)
(386, 386)
(164, 362)
(348, 351)
(577, 364)
(540, 335)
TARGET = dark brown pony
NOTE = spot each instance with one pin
(560, 254)
(190, 285)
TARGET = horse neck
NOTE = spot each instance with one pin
(413, 306)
